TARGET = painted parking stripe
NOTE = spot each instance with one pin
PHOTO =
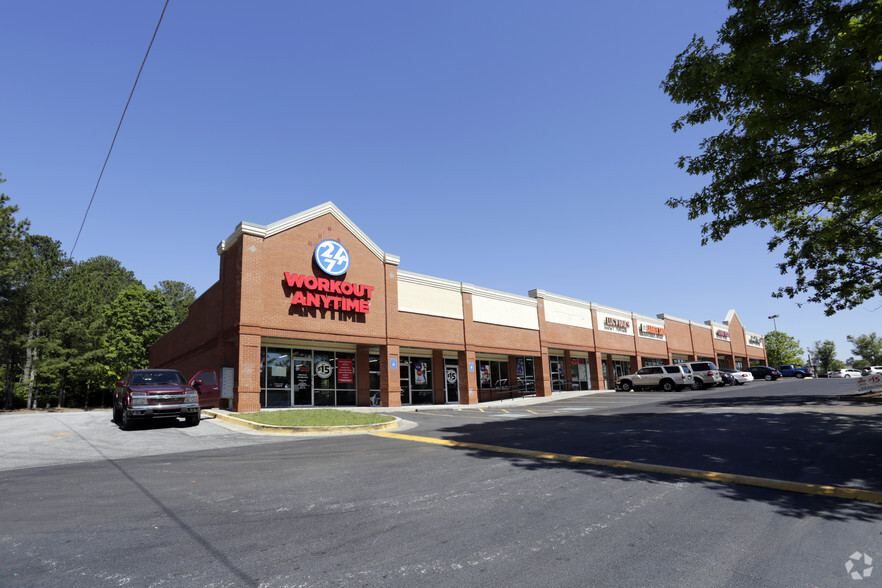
(817, 489)
(576, 408)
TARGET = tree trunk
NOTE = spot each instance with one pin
(30, 365)
(9, 386)
(61, 385)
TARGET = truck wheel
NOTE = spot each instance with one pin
(115, 417)
(800, 376)
(699, 384)
(125, 422)
(626, 386)
(193, 419)
(668, 386)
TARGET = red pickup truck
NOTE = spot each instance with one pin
(160, 393)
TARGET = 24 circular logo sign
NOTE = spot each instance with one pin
(332, 257)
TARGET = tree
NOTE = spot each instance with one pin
(75, 326)
(12, 301)
(782, 349)
(869, 347)
(132, 323)
(826, 353)
(179, 296)
(798, 86)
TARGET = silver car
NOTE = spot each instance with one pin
(667, 377)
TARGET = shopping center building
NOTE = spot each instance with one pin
(308, 311)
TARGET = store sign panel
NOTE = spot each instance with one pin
(651, 331)
(345, 371)
(755, 341)
(328, 293)
(331, 294)
(614, 324)
(332, 257)
(722, 334)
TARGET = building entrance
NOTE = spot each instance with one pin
(451, 383)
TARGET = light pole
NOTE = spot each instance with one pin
(774, 322)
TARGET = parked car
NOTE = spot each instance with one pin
(206, 384)
(154, 393)
(705, 373)
(739, 376)
(764, 372)
(791, 371)
(667, 377)
(728, 380)
(844, 373)
(873, 369)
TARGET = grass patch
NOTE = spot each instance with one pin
(314, 417)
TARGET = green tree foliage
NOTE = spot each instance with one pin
(77, 323)
(132, 323)
(869, 347)
(68, 330)
(797, 84)
(782, 349)
(179, 296)
(826, 354)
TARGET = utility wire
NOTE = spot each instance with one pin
(112, 143)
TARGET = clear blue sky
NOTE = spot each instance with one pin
(509, 144)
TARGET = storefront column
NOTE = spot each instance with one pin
(363, 375)
(246, 397)
(468, 377)
(543, 374)
(596, 362)
(390, 376)
(568, 370)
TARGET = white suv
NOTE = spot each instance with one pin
(706, 374)
(667, 377)
(873, 369)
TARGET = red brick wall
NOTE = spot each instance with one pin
(679, 336)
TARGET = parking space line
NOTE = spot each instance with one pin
(787, 486)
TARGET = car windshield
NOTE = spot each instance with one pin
(157, 378)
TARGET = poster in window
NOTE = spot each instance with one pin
(485, 374)
(521, 371)
(419, 373)
(345, 371)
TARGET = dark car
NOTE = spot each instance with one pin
(764, 372)
(154, 393)
(728, 379)
(794, 371)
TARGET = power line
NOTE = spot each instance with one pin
(112, 143)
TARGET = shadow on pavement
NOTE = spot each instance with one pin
(805, 447)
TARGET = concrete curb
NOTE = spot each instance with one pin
(282, 430)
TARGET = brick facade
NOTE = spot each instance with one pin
(250, 308)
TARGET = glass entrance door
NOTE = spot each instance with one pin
(451, 383)
(302, 385)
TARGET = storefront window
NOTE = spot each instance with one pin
(416, 380)
(374, 367)
(526, 375)
(580, 373)
(493, 374)
(421, 380)
(651, 361)
(305, 377)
